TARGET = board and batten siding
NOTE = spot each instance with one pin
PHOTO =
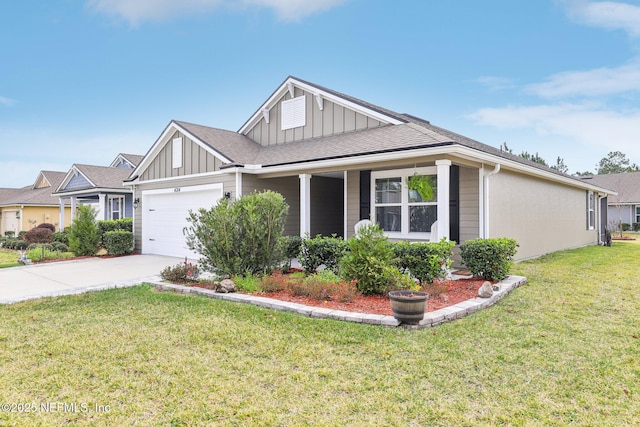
(542, 216)
(228, 182)
(196, 160)
(331, 120)
(289, 187)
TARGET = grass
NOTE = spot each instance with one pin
(562, 350)
(8, 258)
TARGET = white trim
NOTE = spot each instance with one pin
(291, 82)
(404, 203)
(185, 189)
(72, 172)
(305, 203)
(238, 184)
(345, 212)
(181, 177)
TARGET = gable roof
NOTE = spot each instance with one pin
(97, 178)
(626, 184)
(32, 195)
(132, 159)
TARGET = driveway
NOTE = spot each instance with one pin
(78, 276)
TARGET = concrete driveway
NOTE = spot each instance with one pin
(78, 276)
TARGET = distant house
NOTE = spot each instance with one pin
(338, 159)
(99, 186)
(21, 209)
(623, 207)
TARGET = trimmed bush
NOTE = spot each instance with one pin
(84, 236)
(39, 235)
(183, 272)
(321, 250)
(240, 237)
(59, 247)
(47, 226)
(16, 244)
(107, 225)
(625, 226)
(62, 237)
(9, 234)
(635, 226)
(489, 259)
(118, 242)
(370, 261)
(291, 245)
(425, 261)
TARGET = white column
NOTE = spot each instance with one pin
(73, 208)
(101, 206)
(481, 212)
(444, 168)
(61, 223)
(346, 210)
(238, 184)
(305, 204)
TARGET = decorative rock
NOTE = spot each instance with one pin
(226, 286)
(486, 290)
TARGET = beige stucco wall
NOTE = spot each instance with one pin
(542, 216)
(37, 215)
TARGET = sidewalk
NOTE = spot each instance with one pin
(78, 276)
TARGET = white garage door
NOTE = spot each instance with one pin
(164, 217)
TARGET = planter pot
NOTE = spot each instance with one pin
(408, 306)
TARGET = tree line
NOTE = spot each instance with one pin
(614, 162)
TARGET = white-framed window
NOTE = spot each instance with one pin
(176, 153)
(637, 213)
(294, 113)
(116, 207)
(591, 210)
(399, 211)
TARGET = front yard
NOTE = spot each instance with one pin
(561, 350)
(8, 258)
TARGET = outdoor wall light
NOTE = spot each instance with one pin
(136, 203)
(227, 195)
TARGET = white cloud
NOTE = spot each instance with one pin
(496, 83)
(137, 11)
(581, 123)
(591, 83)
(606, 14)
(7, 102)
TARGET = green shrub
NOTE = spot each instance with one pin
(370, 262)
(118, 242)
(425, 261)
(635, 226)
(321, 250)
(62, 237)
(16, 244)
(108, 225)
(489, 259)
(323, 286)
(291, 245)
(183, 272)
(39, 235)
(247, 283)
(59, 247)
(84, 235)
(9, 234)
(38, 253)
(234, 238)
(125, 224)
(47, 226)
(625, 226)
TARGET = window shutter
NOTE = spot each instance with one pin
(365, 194)
(294, 113)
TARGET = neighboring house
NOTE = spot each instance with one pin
(101, 187)
(338, 160)
(623, 207)
(21, 209)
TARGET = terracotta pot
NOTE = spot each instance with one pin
(408, 306)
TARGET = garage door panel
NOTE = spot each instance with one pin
(164, 218)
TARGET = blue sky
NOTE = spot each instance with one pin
(83, 80)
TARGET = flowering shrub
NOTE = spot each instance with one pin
(183, 272)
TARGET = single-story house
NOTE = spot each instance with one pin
(22, 209)
(100, 186)
(623, 207)
(338, 159)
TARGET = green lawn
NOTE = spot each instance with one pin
(8, 258)
(562, 350)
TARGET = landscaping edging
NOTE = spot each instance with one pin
(432, 318)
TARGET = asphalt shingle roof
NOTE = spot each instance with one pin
(626, 184)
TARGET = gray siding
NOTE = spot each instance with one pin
(332, 119)
(353, 201)
(469, 204)
(195, 160)
(289, 187)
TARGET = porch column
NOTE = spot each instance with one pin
(444, 167)
(101, 207)
(305, 204)
(346, 205)
(73, 207)
(61, 223)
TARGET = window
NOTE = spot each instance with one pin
(637, 213)
(293, 113)
(176, 153)
(400, 211)
(591, 210)
(116, 207)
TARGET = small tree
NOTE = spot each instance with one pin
(241, 237)
(84, 235)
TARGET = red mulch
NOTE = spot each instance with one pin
(457, 291)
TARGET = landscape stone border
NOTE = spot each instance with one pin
(432, 318)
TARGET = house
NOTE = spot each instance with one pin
(623, 207)
(100, 186)
(21, 209)
(337, 160)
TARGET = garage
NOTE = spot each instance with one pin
(164, 215)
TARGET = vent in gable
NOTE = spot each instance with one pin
(294, 113)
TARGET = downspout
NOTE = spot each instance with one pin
(486, 176)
